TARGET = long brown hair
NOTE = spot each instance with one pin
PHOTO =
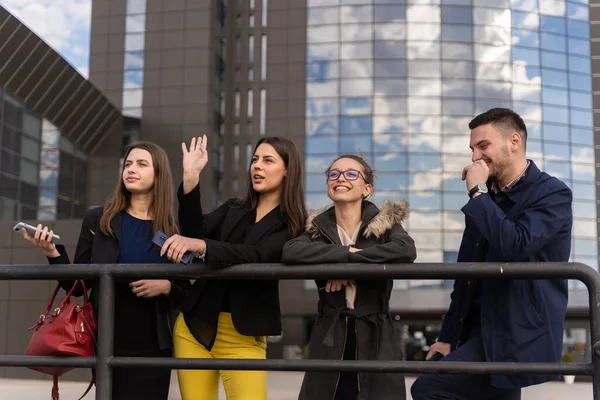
(292, 203)
(161, 208)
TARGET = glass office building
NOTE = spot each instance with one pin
(399, 81)
(43, 175)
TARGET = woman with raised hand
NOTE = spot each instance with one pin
(121, 232)
(354, 322)
(231, 318)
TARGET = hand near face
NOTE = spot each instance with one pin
(196, 158)
(476, 173)
(151, 287)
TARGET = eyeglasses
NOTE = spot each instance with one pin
(349, 174)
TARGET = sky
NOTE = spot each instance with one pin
(63, 24)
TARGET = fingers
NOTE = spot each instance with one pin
(328, 286)
(464, 172)
(430, 354)
(184, 149)
(167, 244)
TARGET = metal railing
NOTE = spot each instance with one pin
(104, 361)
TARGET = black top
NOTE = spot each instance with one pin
(132, 312)
(231, 238)
(238, 235)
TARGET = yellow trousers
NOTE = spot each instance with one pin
(229, 343)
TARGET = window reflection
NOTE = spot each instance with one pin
(553, 42)
(457, 69)
(389, 12)
(390, 31)
(579, 46)
(454, 202)
(582, 136)
(457, 15)
(321, 107)
(457, 33)
(525, 38)
(553, 24)
(421, 162)
(423, 31)
(390, 68)
(580, 64)
(357, 69)
(578, 28)
(355, 105)
(390, 142)
(423, 13)
(583, 172)
(525, 20)
(554, 60)
(321, 126)
(424, 143)
(487, 53)
(390, 87)
(555, 96)
(356, 125)
(557, 133)
(390, 162)
(458, 107)
(578, 11)
(492, 16)
(495, 35)
(580, 82)
(387, 105)
(322, 16)
(134, 41)
(493, 71)
(321, 145)
(457, 51)
(425, 200)
(392, 181)
(322, 70)
(582, 118)
(356, 32)
(389, 49)
(356, 87)
(526, 92)
(554, 78)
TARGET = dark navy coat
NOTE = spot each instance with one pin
(521, 320)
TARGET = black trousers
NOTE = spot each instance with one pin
(461, 386)
(141, 383)
(348, 384)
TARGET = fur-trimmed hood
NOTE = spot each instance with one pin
(377, 220)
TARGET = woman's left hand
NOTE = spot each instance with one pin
(151, 287)
(335, 285)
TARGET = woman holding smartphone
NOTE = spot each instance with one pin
(354, 322)
(231, 318)
(121, 232)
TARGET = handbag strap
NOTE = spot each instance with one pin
(67, 299)
(55, 387)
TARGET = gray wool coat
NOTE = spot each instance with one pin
(381, 240)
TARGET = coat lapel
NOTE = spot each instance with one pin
(233, 217)
(263, 226)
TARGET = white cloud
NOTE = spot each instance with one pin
(63, 24)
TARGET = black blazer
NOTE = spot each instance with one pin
(254, 305)
(95, 247)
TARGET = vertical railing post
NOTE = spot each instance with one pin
(592, 281)
(106, 327)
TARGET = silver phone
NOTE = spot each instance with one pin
(31, 230)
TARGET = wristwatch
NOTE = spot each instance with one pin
(479, 188)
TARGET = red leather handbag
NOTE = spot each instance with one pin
(68, 331)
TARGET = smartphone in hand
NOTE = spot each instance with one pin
(31, 230)
(159, 240)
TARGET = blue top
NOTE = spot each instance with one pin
(136, 241)
(133, 313)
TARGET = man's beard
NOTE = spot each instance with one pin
(499, 166)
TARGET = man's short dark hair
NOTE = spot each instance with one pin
(504, 119)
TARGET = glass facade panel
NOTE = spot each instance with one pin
(400, 81)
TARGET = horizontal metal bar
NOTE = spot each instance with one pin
(520, 270)
(35, 361)
(355, 366)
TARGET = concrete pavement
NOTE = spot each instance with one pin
(282, 386)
